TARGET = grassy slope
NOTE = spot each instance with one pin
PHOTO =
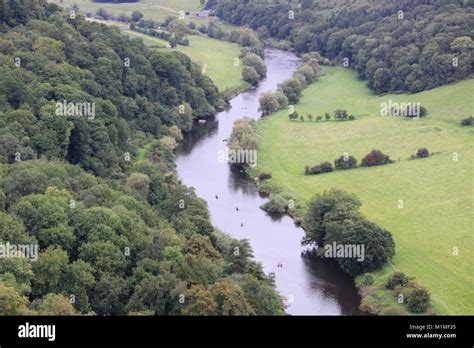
(437, 192)
(151, 9)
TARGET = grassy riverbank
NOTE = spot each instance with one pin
(436, 192)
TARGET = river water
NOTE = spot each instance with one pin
(311, 286)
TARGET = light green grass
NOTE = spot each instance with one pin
(437, 192)
(152, 9)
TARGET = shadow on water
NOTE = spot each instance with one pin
(312, 286)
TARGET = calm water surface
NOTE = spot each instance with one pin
(312, 286)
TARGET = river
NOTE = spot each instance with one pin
(311, 286)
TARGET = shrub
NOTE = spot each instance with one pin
(341, 115)
(324, 167)
(467, 121)
(397, 278)
(366, 280)
(375, 158)
(276, 204)
(319, 207)
(265, 176)
(293, 116)
(423, 153)
(250, 75)
(369, 305)
(345, 162)
(419, 300)
(423, 111)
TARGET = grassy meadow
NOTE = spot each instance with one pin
(437, 192)
(152, 9)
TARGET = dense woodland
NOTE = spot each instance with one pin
(118, 234)
(406, 45)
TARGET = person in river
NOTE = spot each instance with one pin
(217, 197)
(237, 208)
(241, 224)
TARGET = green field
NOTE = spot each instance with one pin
(152, 9)
(437, 192)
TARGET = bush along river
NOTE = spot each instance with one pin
(311, 286)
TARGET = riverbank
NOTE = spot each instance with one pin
(310, 285)
(430, 188)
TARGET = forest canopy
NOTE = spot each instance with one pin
(116, 234)
(406, 45)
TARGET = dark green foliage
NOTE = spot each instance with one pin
(419, 300)
(265, 176)
(416, 297)
(468, 121)
(250, 75)
(375, 158)
(422, 153)
(293, 116)
(324, 167)
(276, 204)
(345, 162)
(319, 206)
(333, 218)
(111, 75)
(391, 53)
(112, 232)
(367, 280)
(397, 279)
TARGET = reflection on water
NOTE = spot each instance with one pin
(312, 286)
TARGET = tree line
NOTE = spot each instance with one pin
(290, 91)
(116, 235)
(396, 46)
